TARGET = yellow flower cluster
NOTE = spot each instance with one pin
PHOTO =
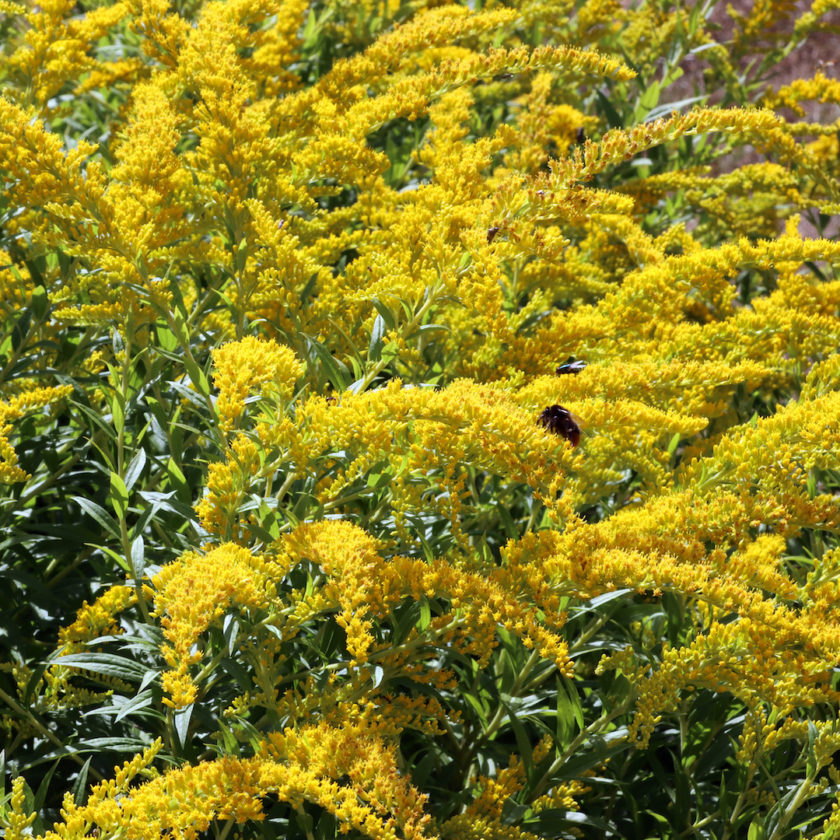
(18, 820)
(820, 88)
(96, 619)
(192, 594)
(13, 409)
(253, 365)
(811, 21)
(351, 772)
(500, 333)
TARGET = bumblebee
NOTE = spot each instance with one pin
(559, 421)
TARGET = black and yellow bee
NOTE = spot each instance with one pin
(559, 421)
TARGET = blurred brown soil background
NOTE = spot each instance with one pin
(818, 52)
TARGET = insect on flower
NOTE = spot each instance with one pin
(491, 233)
(559, 421)
(580, 136)
(571, 365)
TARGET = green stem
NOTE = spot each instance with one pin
(125, 539)
(28, 715)
(498, 715)
(406, 330)
(575, 744)
(733, 814)
(793, 806)
(284, 487)
(226, 830)
(183, 341)
(419, 642)
(305, 821)
(594, 626)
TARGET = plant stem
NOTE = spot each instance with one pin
(28, 715)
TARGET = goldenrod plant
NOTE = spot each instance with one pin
(419, 420)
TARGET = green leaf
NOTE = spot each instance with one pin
(20, 331)
(552, 822)
(99, 514)
(426, 332)
(118, 495)
(135, 468)
(388, 317)
(39, 302)
(327, 827)
(117, 404)
(375, 347)
(598, 749)
(95, 417)
(673, 444)
(425, 614)
(241, 256)
(166, 339)
(181, 723)
(667, 108)
(79, 789)
(179, 481)
(138, 556)
(182, 332)
(120, 561)
(479, 708)
(107, 664)
(523, 741)
(43, 788)
(33, 682)
(694, 18)
(336, 371)
(99, 745)
(513, 811)
(613, 118)
(506, 520)
(756, 830)
(648, 100)
(405, 617)
(224, 734)
(810, 751)
(569, 710)
(140, 701)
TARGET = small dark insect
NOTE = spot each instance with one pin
(331, 400)
(491, 233)
(559, 421)
(580, 136)
(571, 365)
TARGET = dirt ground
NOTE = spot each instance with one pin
(820, 51)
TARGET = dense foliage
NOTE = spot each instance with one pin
(418, 420)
